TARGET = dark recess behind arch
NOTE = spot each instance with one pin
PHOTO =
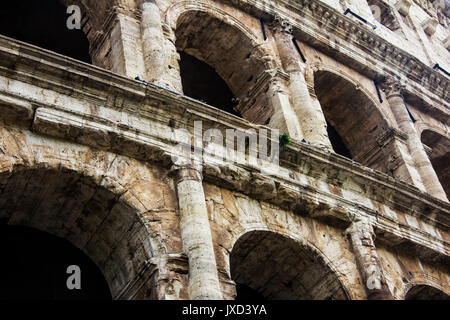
(43, 24)
(34, 265)
(201, 82)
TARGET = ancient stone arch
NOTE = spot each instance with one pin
(32, 257)
(280, 266)
(237, 54)
(354, 114)
(422, 286)
(92, 205)
(425, 292)
(92, 218)
(106, 138)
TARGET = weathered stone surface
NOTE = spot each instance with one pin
(87, 153)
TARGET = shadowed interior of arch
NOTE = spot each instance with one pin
(35, 267)
(43, 24)
(201, 82)
(212, 48)
(73, 207)
(425, 292)
(269, 265)
(355, 123)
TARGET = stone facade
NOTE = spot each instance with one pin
(87, 152)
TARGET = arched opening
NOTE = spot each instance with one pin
(201, 82)
(355, 123)
(439, 157)
(43, 24)
(425, 292)
(219, 65)
(75, 208)
(35, 267)
(271, 266)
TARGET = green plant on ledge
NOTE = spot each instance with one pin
(285, 139)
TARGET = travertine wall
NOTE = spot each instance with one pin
(87, 152)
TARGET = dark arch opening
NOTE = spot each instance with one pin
(424, 292)
(267, 265)
(43, 24)
(439, 157)
(201, 82)
(245, 293)
(74, 207)
(34, 265)
(219, 64)
(355, 124)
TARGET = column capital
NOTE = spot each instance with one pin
(392, 87)
(363, 228)
(281, 25)
(184, 173)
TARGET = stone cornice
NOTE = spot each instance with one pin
(150, 106)
(313, 21)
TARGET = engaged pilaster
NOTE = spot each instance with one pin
(284, 118)
(362, 237)
(196, 235)
(429, 180)
(311, 118)
(160, 55)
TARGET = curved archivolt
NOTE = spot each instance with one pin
(268, 265)
(355, 121)
(232, 53)
(92, 218)
(426, 292)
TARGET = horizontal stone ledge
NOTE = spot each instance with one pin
(120, 131)
(279, 190)
(148, 146)
(16, 110)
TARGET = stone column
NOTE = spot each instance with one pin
(153, 43)
(173, 61)
(392, 89)
(310, 115)
(284, 118)
(196, 235)
(362, 237)
(160, 55)
(126, 57)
